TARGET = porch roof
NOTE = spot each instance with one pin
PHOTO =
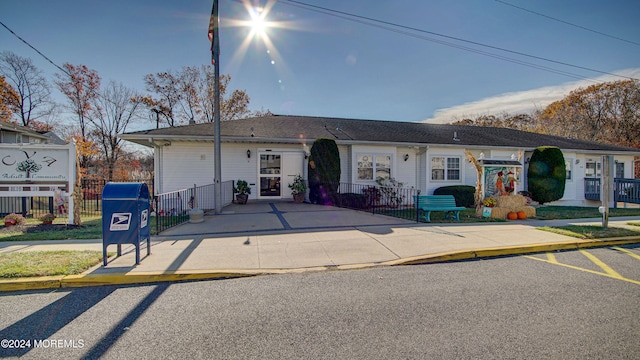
(491, 162)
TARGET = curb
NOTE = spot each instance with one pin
(511, 250)
(86, 280)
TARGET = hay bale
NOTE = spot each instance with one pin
(500, 213)
(511, 201)
(529, 210)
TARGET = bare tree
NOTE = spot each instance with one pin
(34, 94)
(234, 107)
(189, 78)
(166, 88)
(188, 95)
(112, 112)
(81, 85)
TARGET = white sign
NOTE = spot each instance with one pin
(32, 163)
(144, 218)
(120, 221)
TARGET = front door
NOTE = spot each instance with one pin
(293, 163)
(269, 175)
(277, 171)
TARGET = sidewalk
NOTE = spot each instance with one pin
(280, 237)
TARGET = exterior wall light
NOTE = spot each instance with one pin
(406, 157)
(248, 154)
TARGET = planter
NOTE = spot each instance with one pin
(298, 198)
(10, 222)
(196, 216)
(242, 199)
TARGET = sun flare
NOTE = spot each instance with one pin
(258, 23)
(260, 27)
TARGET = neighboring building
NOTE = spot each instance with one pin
(272, 150)
(33, 165)
(16, 134)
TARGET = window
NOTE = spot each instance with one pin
(592, 169)
(445, 168)
(568, 163)
(383, 167)
(619, 170)
(374, 164)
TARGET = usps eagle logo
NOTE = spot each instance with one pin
(120, 221)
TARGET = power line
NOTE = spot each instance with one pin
(568, 23)
(457, 46)
(373, 22)
(36, 50)
(64, 71)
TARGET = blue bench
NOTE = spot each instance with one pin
(429, 203)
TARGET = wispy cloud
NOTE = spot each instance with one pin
(521, 102)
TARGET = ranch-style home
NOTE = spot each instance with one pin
(269, 151)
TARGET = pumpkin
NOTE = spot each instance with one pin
(522, 215)
(512, 216)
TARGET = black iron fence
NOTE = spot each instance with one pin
(34, 206)
(391, 201)
(29, 206)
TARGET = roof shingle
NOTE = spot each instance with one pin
(296, 128)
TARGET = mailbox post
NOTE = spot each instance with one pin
(125, 217)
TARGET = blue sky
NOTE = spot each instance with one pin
(327, 66)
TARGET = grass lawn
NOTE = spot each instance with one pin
(46, 263)
(466, 216)
(579, 212)
(91, 229)
(590, 231)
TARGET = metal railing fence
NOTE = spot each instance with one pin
(172, 208)
(34, 206)
(391, 201)
(624, 190)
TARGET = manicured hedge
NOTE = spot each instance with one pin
(353, 201)
(464, 194)
(324, 171)
(547, 174)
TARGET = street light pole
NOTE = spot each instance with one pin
(214, 37)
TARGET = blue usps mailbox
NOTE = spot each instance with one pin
(125, 217)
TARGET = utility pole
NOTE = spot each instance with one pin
(606, 188)
(214, 37)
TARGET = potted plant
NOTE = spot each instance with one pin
(242, 191)
(489, 202)
(298, 189)
(390, 188)
(14, 219)
(46, 218)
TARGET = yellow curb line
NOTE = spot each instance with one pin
(510, 250)
(34, 283)
(73, 281)
(82, 280)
